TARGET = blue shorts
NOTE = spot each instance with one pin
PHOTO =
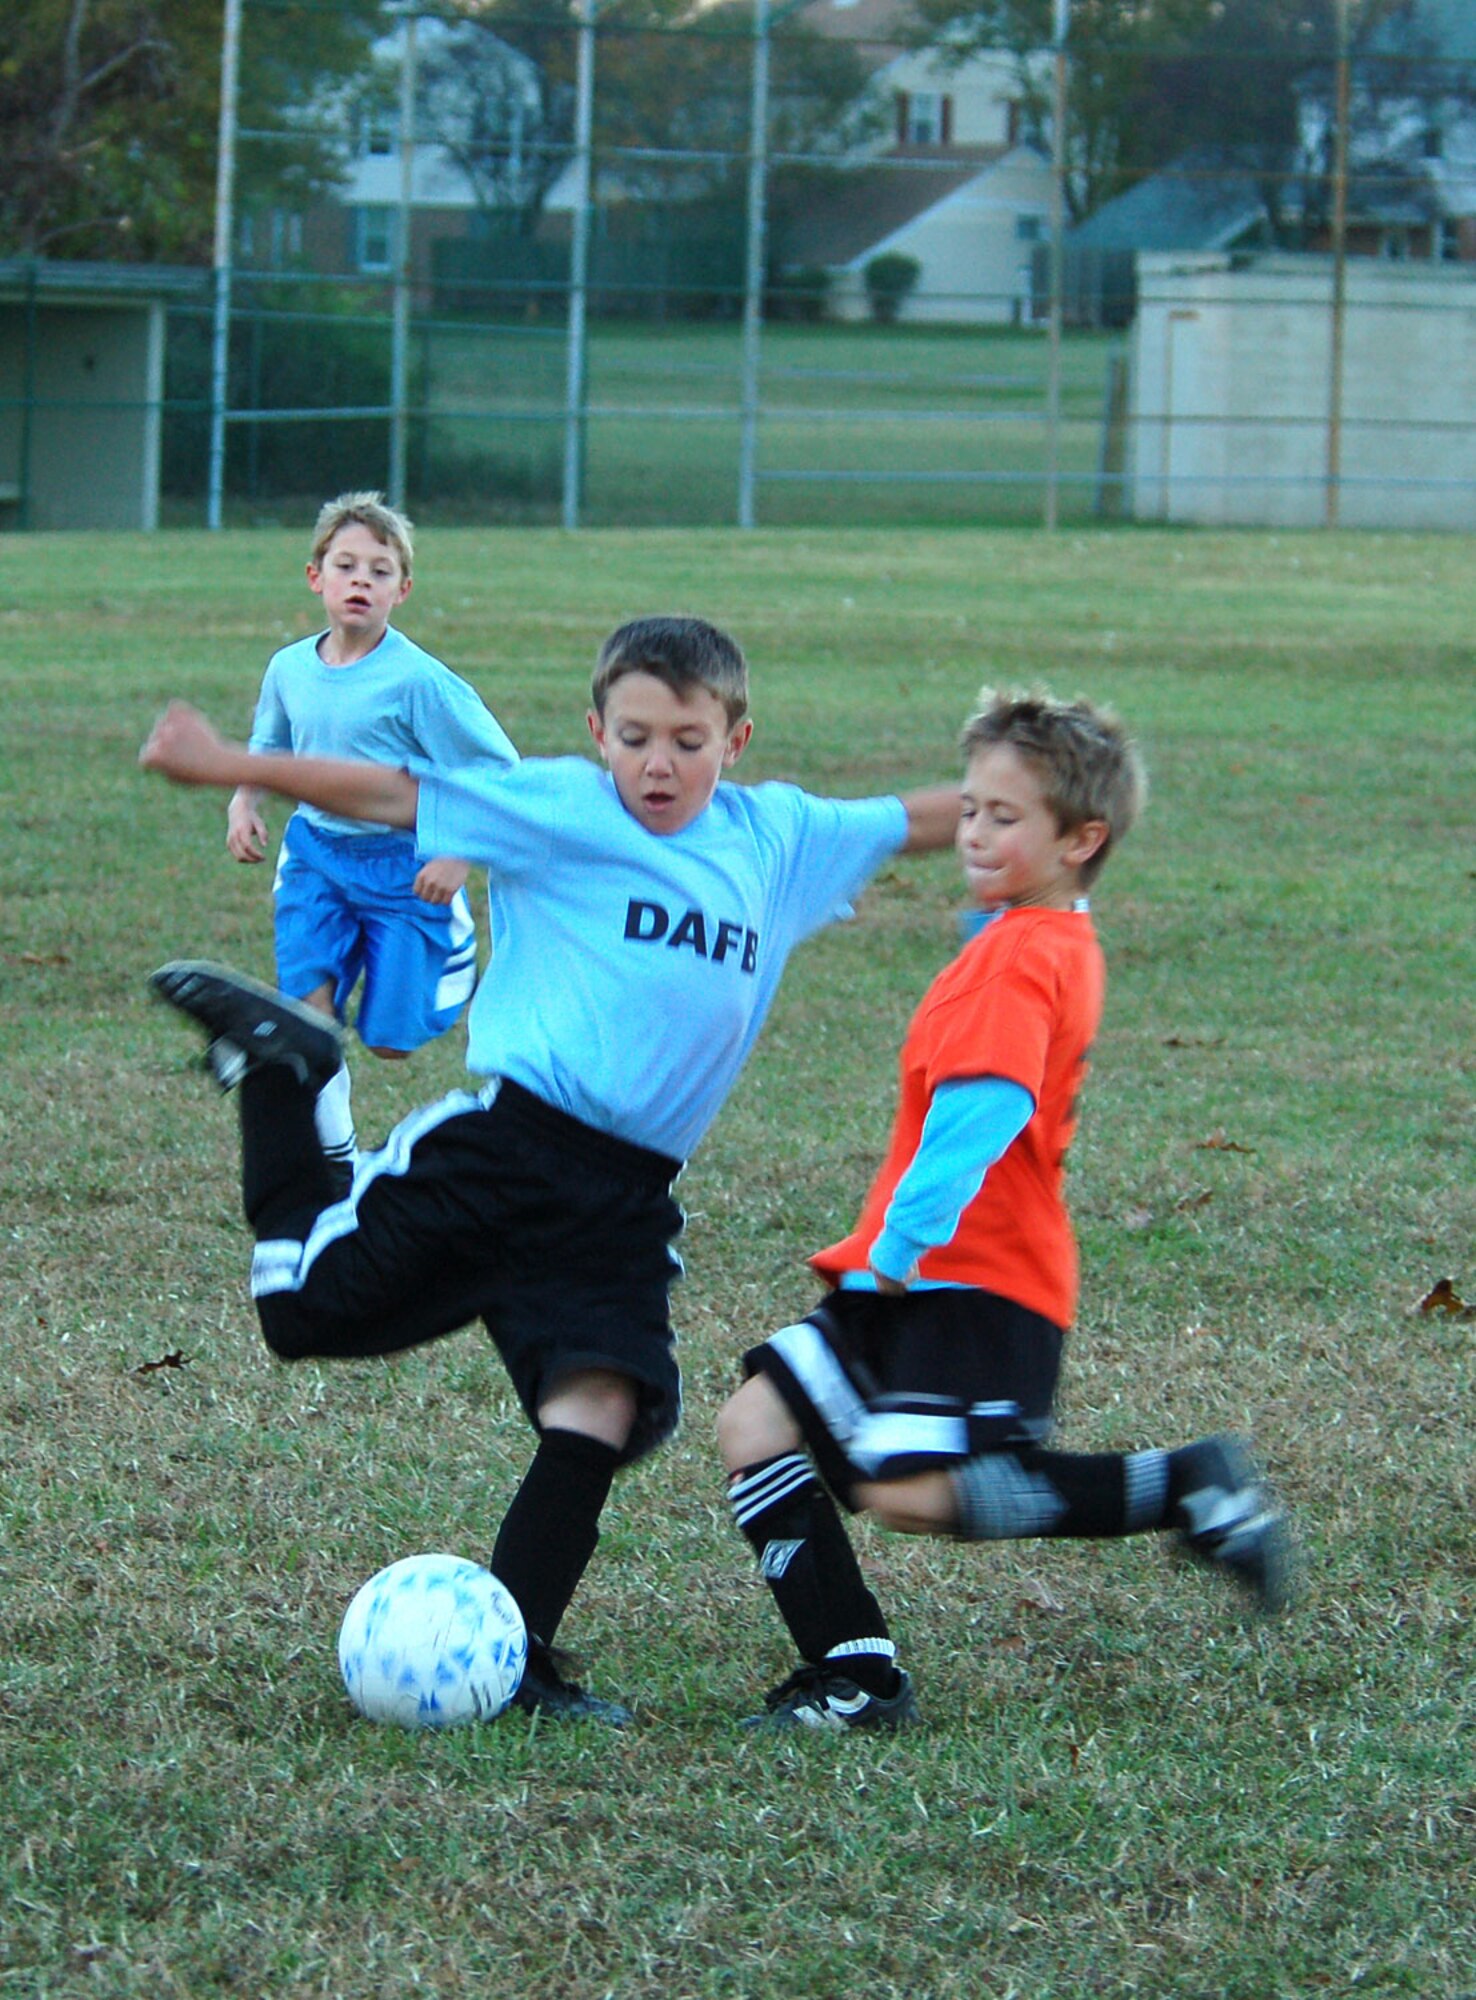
(346, 907)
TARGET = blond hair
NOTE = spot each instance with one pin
(1083, 758)
(365, 510)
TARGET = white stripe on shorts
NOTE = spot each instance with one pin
(279, 1265)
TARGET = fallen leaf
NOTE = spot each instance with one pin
(1218, 1143)
(177, 1358)
(1138, 1218)
(1443, 1297)
(1039, 1596)
(1199, 1199)
(1194, 1041)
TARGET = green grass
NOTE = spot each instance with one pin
(1122, 1789)
(955, 416)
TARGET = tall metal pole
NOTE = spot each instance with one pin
(400, 329)
(1061, 22)
(225, 224)
(753, 277)
(579, 265)
(1333, 494)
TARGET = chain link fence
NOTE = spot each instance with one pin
(772, 267)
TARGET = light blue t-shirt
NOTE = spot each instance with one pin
(398, 705)
(631, 971)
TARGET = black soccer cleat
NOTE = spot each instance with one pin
(820, 1697)
(1226, 1519)
(543, 1690)
(250, 1025)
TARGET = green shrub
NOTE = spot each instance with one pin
(889, 279)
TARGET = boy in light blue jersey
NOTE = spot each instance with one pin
(351, 899)
(641, 917)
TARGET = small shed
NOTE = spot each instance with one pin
(1232, 420)
(82, 390)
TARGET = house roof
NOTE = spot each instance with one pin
(859, 209)
(875, 24)
(1194, 205)
(99, 283)
(1198, 204)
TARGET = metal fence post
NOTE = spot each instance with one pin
(579, 267)
(1061, 22)
(400, 327)
(225, 193)
(753, 279)
(1333, 493)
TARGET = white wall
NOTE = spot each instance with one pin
(1229, 412)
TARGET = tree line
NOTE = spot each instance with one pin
(109, 108)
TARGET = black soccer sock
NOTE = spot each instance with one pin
(806, 1558)
(552, 1527)
(1006, 1495)
(285, 1179)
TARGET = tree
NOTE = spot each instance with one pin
(109, 113)
(1237, 84)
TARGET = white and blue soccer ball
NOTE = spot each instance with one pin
(430, 1642)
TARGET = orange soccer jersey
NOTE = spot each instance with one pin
(1021, 1001)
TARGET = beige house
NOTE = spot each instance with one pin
(941, 175)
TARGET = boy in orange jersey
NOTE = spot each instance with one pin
(924, 1383)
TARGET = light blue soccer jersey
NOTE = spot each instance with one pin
(397, 705)
(631, 971)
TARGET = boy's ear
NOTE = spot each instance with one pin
(596, 728)
(405, 585)
(315, 579)
(737, 741)
(1085, 841)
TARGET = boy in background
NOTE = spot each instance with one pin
(923, 1385)
(351, 899)
(641, 917)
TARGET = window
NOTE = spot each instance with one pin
(924, 118)
(378, 132)
(374, 239)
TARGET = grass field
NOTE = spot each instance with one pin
(1122, 1788)
(861, 425)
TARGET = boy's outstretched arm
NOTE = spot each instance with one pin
(184, 747)
(932, 818)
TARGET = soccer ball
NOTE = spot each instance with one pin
(432, 1641)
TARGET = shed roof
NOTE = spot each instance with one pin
(46, 278)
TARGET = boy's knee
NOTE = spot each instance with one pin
(755, 1424)
(596, 1402)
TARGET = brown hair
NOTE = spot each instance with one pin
(682, 653)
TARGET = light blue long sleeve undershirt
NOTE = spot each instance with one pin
(970, 1123)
